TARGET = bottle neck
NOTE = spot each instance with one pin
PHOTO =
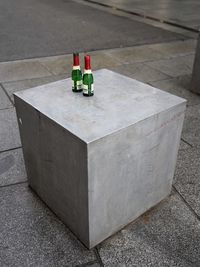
(87, 71)
(76, 67)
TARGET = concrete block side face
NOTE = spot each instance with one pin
(56, 163)
(195, 82)
(131, 170)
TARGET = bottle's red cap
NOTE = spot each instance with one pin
(76, 59)
(87, 62)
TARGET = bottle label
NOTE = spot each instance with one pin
(88, 88)
(76, 85)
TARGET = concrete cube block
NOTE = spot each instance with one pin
(100, 162)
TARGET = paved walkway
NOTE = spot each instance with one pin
(167, 235)
(184, 13)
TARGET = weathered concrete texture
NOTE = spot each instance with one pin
(167, 235)
(140, 72)
(15, 86)
(13, 71)
(58, 64)
(187, 180)
(31, 235)
(179, 86)
(195, 82)
(12, 169)
(184, 145)
(134, 54)
(9, 131)
(92, 157)
(191, 127)
(4, 100)
(174, 67)
(174, 49)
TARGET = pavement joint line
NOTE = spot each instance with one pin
(159, 80)
(87, 264)
(164, 21)
(31, 79)
(5, 109)
(43, 65)
(186, 203)
(10, 149)
(98, 257)
(99, 50)
(12, 102)
(186, 142)
(8, 185)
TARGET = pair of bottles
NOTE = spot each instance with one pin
(82, 82)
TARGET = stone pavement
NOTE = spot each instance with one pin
(167, 235)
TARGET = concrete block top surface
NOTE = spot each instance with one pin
(118, 102)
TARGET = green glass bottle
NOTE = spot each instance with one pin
(76, 74)
(88, 80)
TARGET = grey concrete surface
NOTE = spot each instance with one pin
(179, 86)
(191, 127)
(15, 86)
(31, 235)
(4, 100)
(9, 131)
(44, 28)
(184, 13)
(187, 180)
(92, 169)
(140, 72)
(167, 236)
(184, 235)
(195, 82)
(12, 71)
(174, 68)
(12, 169)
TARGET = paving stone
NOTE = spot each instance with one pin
(178, 86)
(21, 70)
(12, 169)
(187, 180)
(174, 67)
(167, 235)
(134, 54)
(140, 71)
(12, 87)
(58, 64)
(178, 48)
(183, 145)
(191, 126)
(31, 235)
(9, 132)
(100, 60)
(91, 265)
(4, 100)
(147, 74)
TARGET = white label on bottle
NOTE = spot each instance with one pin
(78, 84)
(86, 90)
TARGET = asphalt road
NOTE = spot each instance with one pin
(35, 28)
